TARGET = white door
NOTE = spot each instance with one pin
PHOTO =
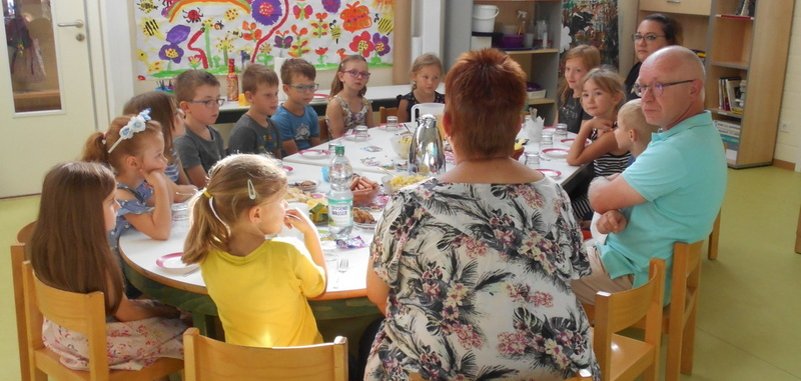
(46, 98)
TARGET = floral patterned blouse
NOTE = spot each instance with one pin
(479, 278)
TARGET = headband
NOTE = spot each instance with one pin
(138, 123)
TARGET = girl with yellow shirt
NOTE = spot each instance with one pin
(260, 286)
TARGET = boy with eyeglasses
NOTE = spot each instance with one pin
(198, 95)
(295, 119)
(254, 132)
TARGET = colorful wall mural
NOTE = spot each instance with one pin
(593, 22)
(175, 35)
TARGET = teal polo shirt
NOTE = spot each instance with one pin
(682, 176)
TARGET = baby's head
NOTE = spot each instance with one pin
(260, 86)
(633, 131)
(131, 142)
(198, 95)
(164, 110)
(353, 70)
(298, 76)
(426, 72)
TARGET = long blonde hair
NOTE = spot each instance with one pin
(427, 59)
(69, 247)
(98, 143)
(163, 108)
(589, 55)
(236, 184)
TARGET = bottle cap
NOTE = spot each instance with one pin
(339, 150)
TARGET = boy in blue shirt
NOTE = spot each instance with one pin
(296, 120)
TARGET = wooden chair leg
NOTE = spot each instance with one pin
(688, 343)
(713, 239)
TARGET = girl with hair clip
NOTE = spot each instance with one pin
(134, 148)
(578, 61)
(69, 250)
(163, 109)
(602, 96)
(260, 286)
(426, 75)
(348, 107)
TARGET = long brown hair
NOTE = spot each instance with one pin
(69, 247)
(98, 143)
(589, 55)
(226, 197)
(162, 109)
(336, 84)
(485, 122)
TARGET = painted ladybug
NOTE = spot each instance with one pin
(193, 15)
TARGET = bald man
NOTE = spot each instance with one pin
(672, 192)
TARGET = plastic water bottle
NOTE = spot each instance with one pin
(340, 197)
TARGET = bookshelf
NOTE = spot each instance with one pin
(754, 48)
(541, 65)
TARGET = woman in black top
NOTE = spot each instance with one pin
(654, 32)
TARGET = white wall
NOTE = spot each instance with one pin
(788, 143)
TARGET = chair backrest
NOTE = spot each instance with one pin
(24, 234)
(384, 112)
(615, 312)
(82, 313)
(325, 135)
(209, 359)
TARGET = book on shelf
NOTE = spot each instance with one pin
(729, 94)
(728, 128)
(745, 8)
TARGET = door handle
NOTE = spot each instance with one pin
(76, 24)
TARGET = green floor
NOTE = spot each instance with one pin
(749, 322)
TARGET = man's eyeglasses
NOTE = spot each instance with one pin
(357, 74)
(650, 37)
(210, 102)
(657, 88)
(306, 87)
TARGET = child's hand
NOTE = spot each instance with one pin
(157, 179)
(601, 125)
(294, 218)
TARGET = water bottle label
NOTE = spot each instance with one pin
(340, 212)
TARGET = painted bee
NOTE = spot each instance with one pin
(146, 6)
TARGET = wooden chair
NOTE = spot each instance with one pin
(679, 321)
(325, 135)
(384, 112)
(24, 234)
(209, 359)
(83, 313)
(620, 357)
(713, 239)
(17, 258)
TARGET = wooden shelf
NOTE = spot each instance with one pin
(540, 101)
(730, 64)
(734, 17)
(531, 51)
(726, 113)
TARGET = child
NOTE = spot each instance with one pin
(426, 74)
(134, 147)
(601, 96)
(348, 108)
(69, 250)
(259, 285)
(633, 132)
(164, 110)
(578, 61)
(296, 120)
(198, 95)
(254, 132)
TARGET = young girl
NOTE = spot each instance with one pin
(164, 110)
(69, 250)
(578, 61)
(259, 285)
(134, 147)
(601, 97)
(348, 107)
(426, 74)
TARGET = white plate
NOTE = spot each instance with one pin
(172, 263)
(288, 169)
(552, 173)
(314, 154)
(365, 226)
(555, 153)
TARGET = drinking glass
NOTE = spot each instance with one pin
(547, 141)
(392, 123)
(532, 160)
(561, 131)
(361, 133)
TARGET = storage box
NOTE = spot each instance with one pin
(536, 94)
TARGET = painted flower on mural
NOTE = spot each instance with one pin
(171, 51)
(194, 61)
(266, 12)
(320, 27)
(331, 6)
(226, 44)
(381, 44)
(320, 52)
(361, 44)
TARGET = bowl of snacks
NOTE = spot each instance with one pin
(363, 189)
(393, 183)
(363, 219)
(400, 144)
